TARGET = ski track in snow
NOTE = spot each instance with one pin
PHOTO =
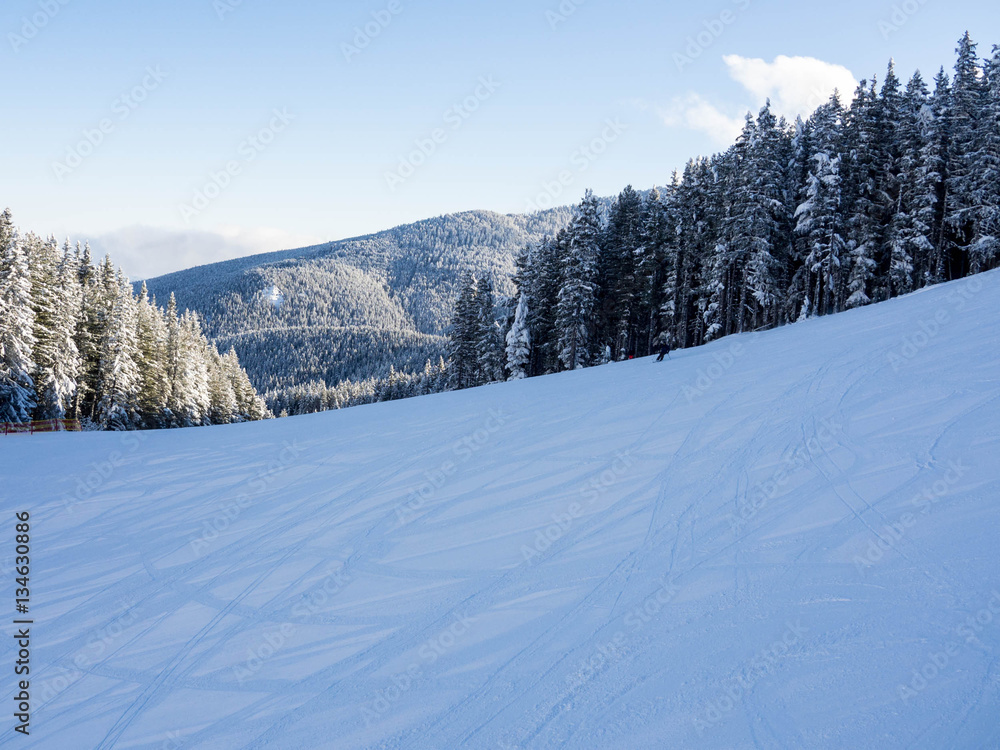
(148, 638)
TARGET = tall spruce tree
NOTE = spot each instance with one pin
(118, 371)
(578, 286)
(17, 389)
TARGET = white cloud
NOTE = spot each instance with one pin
(144, 252)
(795, 85)
(694, 112)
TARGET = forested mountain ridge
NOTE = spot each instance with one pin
(355, 308)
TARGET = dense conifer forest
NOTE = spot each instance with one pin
(896, 190)
(77, 343)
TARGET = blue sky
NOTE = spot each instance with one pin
(303, 135)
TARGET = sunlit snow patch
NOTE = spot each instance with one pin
(275, 297)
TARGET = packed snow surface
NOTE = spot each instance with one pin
(780, 540)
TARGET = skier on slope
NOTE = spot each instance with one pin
(664, 351)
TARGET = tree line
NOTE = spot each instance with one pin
(77, 343)
(896, 191)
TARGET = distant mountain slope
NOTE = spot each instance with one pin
(353, 308)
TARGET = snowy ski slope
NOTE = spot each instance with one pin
(780, 540)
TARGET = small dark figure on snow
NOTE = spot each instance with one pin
(664, 352)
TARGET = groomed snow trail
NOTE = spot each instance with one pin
(780, 540)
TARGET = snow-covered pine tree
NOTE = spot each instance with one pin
(490, 355)
(223, 408)
(985, 248)
(89, 321)
(760, 223)
(519, 342)
(696, 231)
(250, 407)
(189, 401)
(968, 96)
(820, 218)
(69, 362)
(725, 293)
(910, 245)
(55, 302)
(17, 389)
(578, 289)
(797, 300)
(934, 175)
(863, 198)
(195, 370)
(176, 396)
(154, 382)
(617, 279)
(894, 258)
(118, 374)
(546, 275)
(657, 267)
(463, 355)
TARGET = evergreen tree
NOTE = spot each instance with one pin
(250, 407)
(118, 373)
(862, 199)
(462, 351)
(934, 174)
(910, 228)
(519, 342)
(55, 302)
(820, 218)
(223, 407)
(617, 281)
(17, 389)
(89, 322)
(964, 216)
(578, 288)
(490, 355)
(151, 342)
(985, 248)
(760, 222)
